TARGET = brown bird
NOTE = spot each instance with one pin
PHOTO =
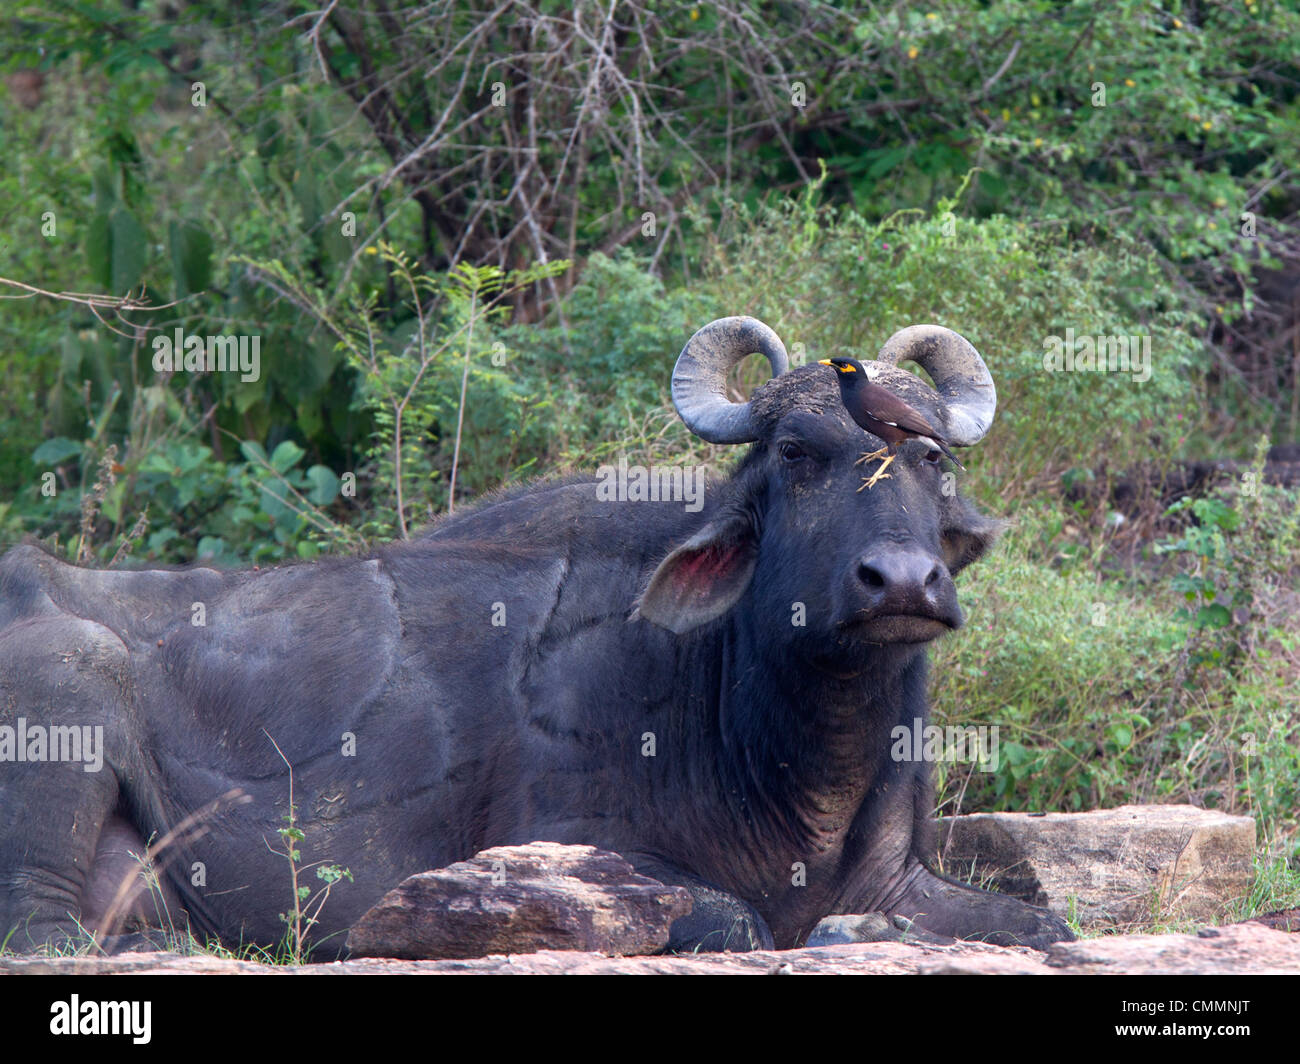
(880, 412)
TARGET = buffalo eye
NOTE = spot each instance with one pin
(791, 452)
(933, 456)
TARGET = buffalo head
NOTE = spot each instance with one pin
(812, 563)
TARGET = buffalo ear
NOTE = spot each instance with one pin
(703, 578)
(969, 538)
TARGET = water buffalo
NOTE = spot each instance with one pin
(708, 690)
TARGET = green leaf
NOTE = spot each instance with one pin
(115, 250)
(1213, 617)
(191, 249)
(211, 547)
(101, 184)
(128, 250)
(287, 455)
(254, 453)
(274, 503)
(324, 485)
(158, 540)
(883, 161)
(56, 450)
(99, 250)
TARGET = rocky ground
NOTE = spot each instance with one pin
(544, 908)
(1242, 949)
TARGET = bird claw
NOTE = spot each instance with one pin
(879, 474)
(873, 454)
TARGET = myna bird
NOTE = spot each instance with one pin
(880, 412)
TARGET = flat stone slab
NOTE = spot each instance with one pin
(1111, 868)
(1240, 949)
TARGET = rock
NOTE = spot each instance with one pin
(1285, 920)
(868, 927)
(521, 899)
(1112, 867)
(161, 963)
(1240, 949)
(1237, 949)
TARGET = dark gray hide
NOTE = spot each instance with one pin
(618, 625)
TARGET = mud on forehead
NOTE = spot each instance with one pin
(815, 389)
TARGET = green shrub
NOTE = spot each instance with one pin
(1107, 691)
(606, 356)
(1071, 671)
(840, 285)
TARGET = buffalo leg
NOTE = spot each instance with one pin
(948, 907)
(718, 922)
(125, 907)
(52, 674)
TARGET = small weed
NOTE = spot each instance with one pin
(305, 912)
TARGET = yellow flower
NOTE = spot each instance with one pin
(931, 15)
(1220, 202)
(1207, 124)
(372, 250)
(1178, 25)
(1214, 225)
(1006, 115)
(1130, 82)
(913, 52)
(695, 13)
(1038, 142)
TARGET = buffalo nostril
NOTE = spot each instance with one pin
(890, 580)
(871, 576)
(900, 573)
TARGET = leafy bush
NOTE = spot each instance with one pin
(1070, 670)
(200, 508)
(838, 284)
(606, 357)
(1108, 691)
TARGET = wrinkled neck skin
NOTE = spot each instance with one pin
(796, 760)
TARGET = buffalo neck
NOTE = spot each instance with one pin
(797, 740)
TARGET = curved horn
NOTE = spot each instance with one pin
(700, 377)
(959, 374)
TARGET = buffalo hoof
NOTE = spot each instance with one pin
(1045, 929)
(719, 923)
